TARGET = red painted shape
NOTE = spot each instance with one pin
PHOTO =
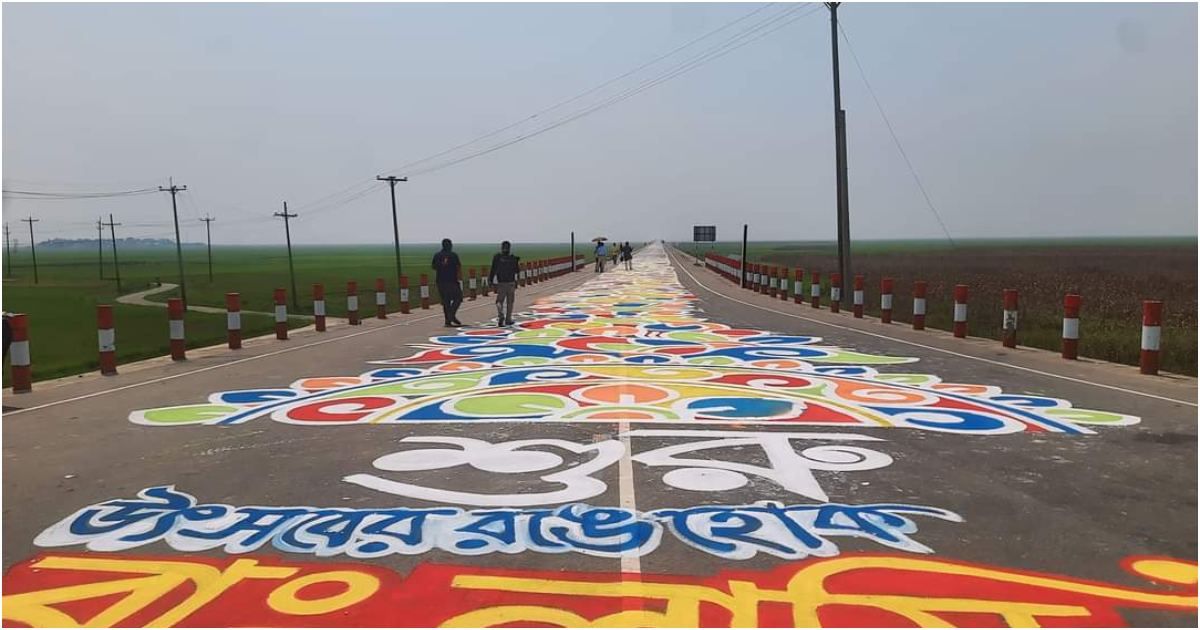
(850, 590)
(316, 412)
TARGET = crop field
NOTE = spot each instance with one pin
(1112, 275)
(62, 314)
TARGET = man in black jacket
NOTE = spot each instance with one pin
(447, 267)
(503, 277)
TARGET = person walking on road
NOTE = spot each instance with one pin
(601, 254)
(503, 276)
(627, 256)
(447, 267)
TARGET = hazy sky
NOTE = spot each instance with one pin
(1038, 120)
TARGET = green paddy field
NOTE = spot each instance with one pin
(62, 313)
(1113, 275)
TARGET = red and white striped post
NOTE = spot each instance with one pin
(107, 337)
(471, 284)
(835, 293)
(18, 353)
(483, 280)
(352, 303)
(798, 287)
(233, 320)
(783, 283)
(773, 286)
(281, 314)
(815, 289)
(858, 296)
(751, 277)
(541, 270)
(521, 274)
(380, 299)
(1151, 335)
(960, 310)
(1070, 331)
(1009, 337)
(920, 288)
(885, 300)
(319, 306)
(404, 307)
(424, 291)
(175, 329)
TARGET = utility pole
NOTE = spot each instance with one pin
(287, 231)
(174, 190)
(745, 233)
(7, 253)
(843, 186)
(208, 230)
(100, 245)
(112, 230)
(572, 252)
(33, 246)
(395, 222)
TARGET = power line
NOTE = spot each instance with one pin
(895, 139)
(355, 190)
(715, 52)
(737, 40)
(586, 92)
(59, 195)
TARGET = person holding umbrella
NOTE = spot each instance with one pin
(601, 253)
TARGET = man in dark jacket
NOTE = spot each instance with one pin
(503, 277)
(447, 267)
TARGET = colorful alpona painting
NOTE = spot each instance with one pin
(634, 348)
(98, 590)
(701, 408)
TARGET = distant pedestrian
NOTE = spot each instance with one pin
(627, 256)
(503, 276)
(601, 254)
(447, 266)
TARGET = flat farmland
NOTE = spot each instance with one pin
(1112, 275)
(61, 306)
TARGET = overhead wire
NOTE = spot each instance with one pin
(367, 186)
(695, 62)
(587, 92)
(895, 139)
(38, 195)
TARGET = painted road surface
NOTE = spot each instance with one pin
(645, 448)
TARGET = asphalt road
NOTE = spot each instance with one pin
(638, 431)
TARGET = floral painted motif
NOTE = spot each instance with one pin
(633, 347)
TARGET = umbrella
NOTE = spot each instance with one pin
(599, 238)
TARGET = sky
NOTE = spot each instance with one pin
(1021, 120)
